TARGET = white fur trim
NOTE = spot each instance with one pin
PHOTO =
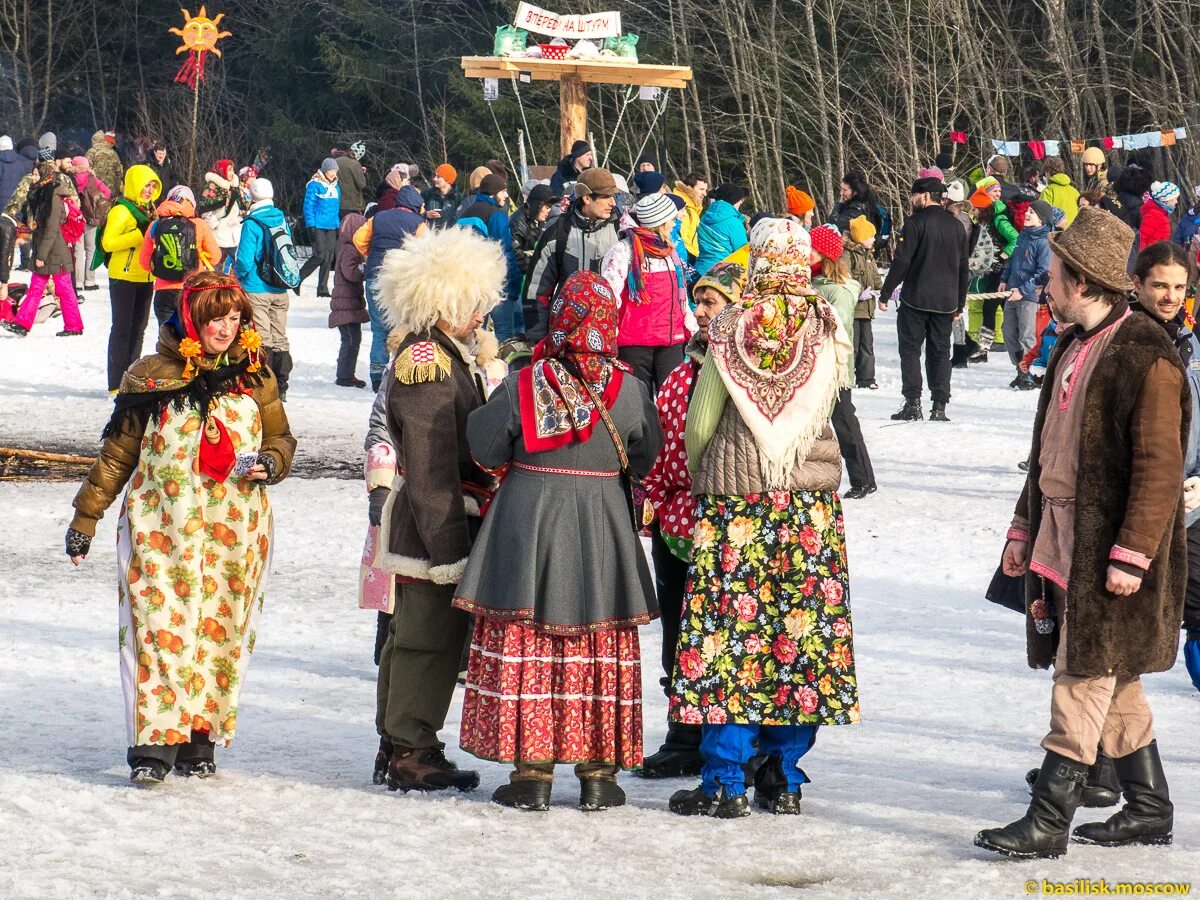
(411, 566)
(451, 573)
(450, 274)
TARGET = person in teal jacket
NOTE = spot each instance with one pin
(270, 303)
(722, 227)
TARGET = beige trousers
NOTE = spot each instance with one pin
(545, 771)
(1102, 711)
(270, 319)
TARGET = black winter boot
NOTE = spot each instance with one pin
(281, 365)
(1043, 832)
(383, 756)
(938, 413)
(1148, 815)
(909, 412)
(720, 805)
(596, 794)
(771, 789)
(148, 772)
(531, 795)
(1103, 788)
(197, 757)
(678, 757)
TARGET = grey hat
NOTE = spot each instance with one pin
(328, 164)
(48, 141)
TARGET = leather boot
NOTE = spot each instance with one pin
(427, 769)
(1043, 832)
(1103, 788)
(721, 805)
(1148, 815)
(938, 413)
(678, 757)
(281, 365)
(909, 412)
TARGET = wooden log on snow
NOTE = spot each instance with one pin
(17, 464)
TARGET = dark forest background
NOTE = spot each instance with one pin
(786, 91)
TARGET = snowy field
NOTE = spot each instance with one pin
(951, 714)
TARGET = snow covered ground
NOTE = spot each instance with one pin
(951, 714)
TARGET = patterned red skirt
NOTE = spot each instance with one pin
(536, 697)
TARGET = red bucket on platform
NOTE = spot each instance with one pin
(554, 51)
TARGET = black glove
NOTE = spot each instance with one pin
(377, 498)
(77, 543)
(268, 462)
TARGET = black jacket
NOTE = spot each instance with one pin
(165, 171)
(525, 233)
(931, 261)
(565, 174)
(844, 212)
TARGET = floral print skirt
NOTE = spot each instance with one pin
(536, 697)
(766, 634)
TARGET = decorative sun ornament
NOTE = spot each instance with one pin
(199, 35)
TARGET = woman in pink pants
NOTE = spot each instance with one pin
(52, 255)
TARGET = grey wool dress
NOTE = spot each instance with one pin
(557, 549)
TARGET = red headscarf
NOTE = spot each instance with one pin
(555, 409)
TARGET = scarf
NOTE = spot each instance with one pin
(645, 243)
(580, 345)
(782, 355)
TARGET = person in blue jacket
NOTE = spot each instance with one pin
(322, 203)
(1024, 276)
(1189, 223)
(488, 214)
(722, 227)
(270, 303)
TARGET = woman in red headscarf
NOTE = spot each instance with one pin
(197, 432)
(223, 204)
(557, 579)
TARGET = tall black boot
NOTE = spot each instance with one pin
(1043, 832)
(679, 755)
(1148, 815)
(281, 365)
(1103, 787)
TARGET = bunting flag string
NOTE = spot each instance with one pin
(1040, 149)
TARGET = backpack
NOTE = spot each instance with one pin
(175, 251)
(101, 256)
(278, 266)
(983, 257)
(93, 204)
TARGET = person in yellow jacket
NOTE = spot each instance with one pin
(1059, 191)
(130, 285)
(692, 190)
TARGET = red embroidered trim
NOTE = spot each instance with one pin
(551, 471)
(1045, 571)
(1122, 554)
(526, 615)
(1016, 534)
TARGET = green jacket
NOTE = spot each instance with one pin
(1062, 194)
(866, 273)
(1003, 226)
(843, 298)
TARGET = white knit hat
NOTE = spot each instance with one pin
(956, 193)
(5, 142)
(261, 189)
(654, 210)
(1164, 191)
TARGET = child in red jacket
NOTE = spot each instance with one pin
(1156, 214)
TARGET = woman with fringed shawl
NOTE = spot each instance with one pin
(765, 651)
(197, 431)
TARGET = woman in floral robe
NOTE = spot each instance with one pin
(765, 652)
(198, 430)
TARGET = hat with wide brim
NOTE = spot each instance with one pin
(1097, 247)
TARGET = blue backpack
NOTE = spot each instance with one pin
(885, 226)
(278, 265)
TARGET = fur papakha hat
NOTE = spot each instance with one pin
(1097, 246)
(448, 274)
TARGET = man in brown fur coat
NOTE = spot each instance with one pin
(1099, 537)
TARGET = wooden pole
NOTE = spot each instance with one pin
(572, 112)
(192, 152)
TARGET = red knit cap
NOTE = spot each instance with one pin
(827, 241)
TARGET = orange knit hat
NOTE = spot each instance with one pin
(447, 171)
(799, 204)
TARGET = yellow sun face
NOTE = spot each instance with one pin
(200, 33)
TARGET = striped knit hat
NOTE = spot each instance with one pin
(1164, 192)
(653, 210)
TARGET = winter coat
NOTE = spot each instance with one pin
(49, 246)
(932, 263)
(446, 204)
(669, 482)
(1108, 635)
(121, 451)
(431, 516)
(1029, 268)
(1131, 209)
(1039, 356)
(525, 233)
(208, 251)
(221, 206)
(844, 212)
(164, 171)
(722, 231)
(352, 181)
(662, 320)
(84, 180)
(322, 204)
(843, 298)
(122, 235)
(347, 304)
(262, 216)
(1156, 224)
(20, 195)
(1188, 227)
(1063, 195)
(537, 559)
(689, 229)
(386, 231)
(106, 163)
(866, 273)
(486, 217)
(13, 167)
(1004, 233)
(585, 242)
(565, 174)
